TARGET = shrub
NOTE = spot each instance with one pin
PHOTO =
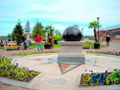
(58, 38)
(85, 46)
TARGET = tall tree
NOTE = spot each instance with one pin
(27, 27)
(38, 30)
(93, 25)
(27, 30)
(17, 33)
(49, 30)
(57, 33)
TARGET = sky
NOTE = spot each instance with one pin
(58, 13)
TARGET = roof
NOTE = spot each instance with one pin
(111, 27)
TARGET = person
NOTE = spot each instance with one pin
(29, 42)
(107, 40)
(39, 40)
(24, 45)
(1, 43)
(50, 41)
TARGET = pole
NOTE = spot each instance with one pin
(98, 27)
(82, 32)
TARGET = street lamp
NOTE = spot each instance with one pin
(98, 27)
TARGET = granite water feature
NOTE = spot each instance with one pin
(71, 48)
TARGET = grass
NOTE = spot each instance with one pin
(11, 71)
(35, 46)
(32, 53)
(91, 44)
(105, 52)
(1, 47)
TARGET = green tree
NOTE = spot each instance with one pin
(3, 37)
(76, 25)
(57, 33)
(38, 30)
(27, 27)
(17, 34)
(93, 25)
(49, 30)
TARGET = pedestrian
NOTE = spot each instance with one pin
(50, 41)
(107, 40)
(39, 40)
(24, 45)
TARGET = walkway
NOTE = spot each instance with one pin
(69, 80)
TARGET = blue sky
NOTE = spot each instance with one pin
(58, 13)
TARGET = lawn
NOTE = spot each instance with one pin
(35, 46)
(91, 45)
(1, 47)
(32, 53)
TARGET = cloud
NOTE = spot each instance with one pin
(60, 13)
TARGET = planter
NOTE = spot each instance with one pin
(29, 84)
(96, 45)
(55, 42)
(47, 46)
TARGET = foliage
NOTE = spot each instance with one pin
(57, 46)
(3, 37)
(106, 78)
(11, 71)
(90, 37)
(17, 34)
(112, 52)
(35, 46)
(58, 38)
(57, 33)
(91, 44)
(94, 25)
(14, 47)
(38, 30)
(27, 27)
(31, 53)
(49, 30)
(97, 42)
(85, 46)
(1, 48)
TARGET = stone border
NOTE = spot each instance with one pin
(20, 83)
(77, 81)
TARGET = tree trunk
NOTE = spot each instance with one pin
(95, 36)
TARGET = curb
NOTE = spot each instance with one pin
(22, 84)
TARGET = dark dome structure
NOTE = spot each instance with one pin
(72, 34)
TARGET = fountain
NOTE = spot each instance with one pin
(71, 51)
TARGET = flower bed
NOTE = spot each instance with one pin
(106, 78)
(10, 71)
(12, 47)
(31, 53)
(110, 52)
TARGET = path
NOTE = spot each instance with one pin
(52, 73)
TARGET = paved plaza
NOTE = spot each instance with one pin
(54, 80)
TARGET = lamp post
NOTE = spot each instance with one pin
(98, 27)
(82, 32)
